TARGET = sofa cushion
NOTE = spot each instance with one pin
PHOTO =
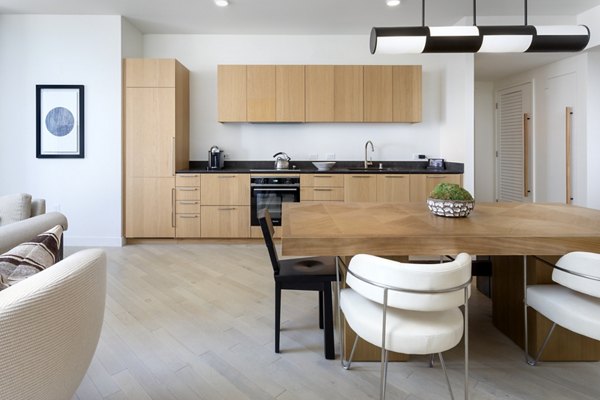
(30, 257)
(14, 207)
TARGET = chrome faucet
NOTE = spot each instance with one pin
(370, 161)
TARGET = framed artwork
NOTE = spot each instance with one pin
(59, 121)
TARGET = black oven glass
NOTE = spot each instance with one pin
(271, 193)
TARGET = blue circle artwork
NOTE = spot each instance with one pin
(60, 121)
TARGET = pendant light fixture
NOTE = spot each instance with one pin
(479, 39)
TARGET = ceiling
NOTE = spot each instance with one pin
(312, 17)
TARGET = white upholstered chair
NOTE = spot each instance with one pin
(573, 304)
(407, 308)
(49, 328)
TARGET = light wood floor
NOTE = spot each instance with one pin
(195, 321)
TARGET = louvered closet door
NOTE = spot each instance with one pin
(514, 144)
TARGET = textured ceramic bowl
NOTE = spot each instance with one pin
(324, 165)
(450, 208)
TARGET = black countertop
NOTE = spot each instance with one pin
(341, 167)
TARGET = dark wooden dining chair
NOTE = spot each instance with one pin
(315, 273)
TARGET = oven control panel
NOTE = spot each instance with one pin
(274, 181)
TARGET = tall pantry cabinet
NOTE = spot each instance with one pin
(156, 123)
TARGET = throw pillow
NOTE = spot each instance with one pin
(30, 257)
(14, 207)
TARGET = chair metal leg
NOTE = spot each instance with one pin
(320, 309)
(384, 365)
(466, 334)
(539, 354)
(446, 375)
(526, 345)
(328, 323)
(277, 315)
(346, 365)
(431, 360)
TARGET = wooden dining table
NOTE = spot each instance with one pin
(336, 229)
(509, 231)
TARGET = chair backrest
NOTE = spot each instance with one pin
(50, 324)
(381, 272)
(266, 225)
(585, 272)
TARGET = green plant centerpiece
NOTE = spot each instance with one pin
(450, 200)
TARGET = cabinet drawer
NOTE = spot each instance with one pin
(187, 207)
(187, 193)
(187, 226)
(322, 180)
(225, 221)
(226, 189)
(187, 179)
(322, 194)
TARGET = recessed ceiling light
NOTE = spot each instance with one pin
(222, 3)
(393, 3)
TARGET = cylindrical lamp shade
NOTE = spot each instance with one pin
(484, 39)
(506, 39)
(405, 40)
(559, 38)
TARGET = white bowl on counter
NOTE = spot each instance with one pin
(324, 165)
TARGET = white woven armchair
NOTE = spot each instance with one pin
(50, 324)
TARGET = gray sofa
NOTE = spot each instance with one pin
(35, 220)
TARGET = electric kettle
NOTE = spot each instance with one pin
(282, 161)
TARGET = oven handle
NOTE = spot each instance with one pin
(294, 189)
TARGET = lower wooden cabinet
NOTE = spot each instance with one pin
(225, 221)
(393, 188)
(422, 184)
(187, 226)
(360, 188)
(322, 194)
(150, 208)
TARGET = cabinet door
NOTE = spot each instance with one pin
(407, 93)
(150, 132)
(378, 93)
(289, 93)
(146, 72)
(149, 208)
(348, 93)
(360, 188)
(319, 93)
(232, 93)
(187, 226)
(225, 189)
(421, 185)
(393, 188)
(260, 95)
(225, 221)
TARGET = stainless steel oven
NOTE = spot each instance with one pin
(271, 192)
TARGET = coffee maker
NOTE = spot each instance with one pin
(216, 158)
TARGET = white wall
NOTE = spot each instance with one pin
(132, 40)
(545, 162)
(84, 50)
(593, 129)
(446, 130)
(485, 146)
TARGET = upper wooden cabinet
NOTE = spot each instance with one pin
(378, 93)
(232, 93)
(319, 93)
(348, 93)
(407, 97)
(260, 93)
(289, 93)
